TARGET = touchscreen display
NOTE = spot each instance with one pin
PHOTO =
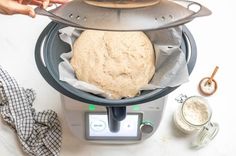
(97, 127)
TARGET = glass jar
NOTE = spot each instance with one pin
(194, 115)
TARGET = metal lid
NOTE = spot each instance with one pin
(164, 14)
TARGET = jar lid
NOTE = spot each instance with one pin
(206, 135)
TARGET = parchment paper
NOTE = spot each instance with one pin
(171, 66)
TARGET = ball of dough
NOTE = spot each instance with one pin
(120, 63)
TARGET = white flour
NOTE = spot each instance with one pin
(181, 124)
(195, 112)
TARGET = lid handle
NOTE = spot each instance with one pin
(44, 12)
(197, 9)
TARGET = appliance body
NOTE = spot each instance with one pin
(81, 120)
(89, 122)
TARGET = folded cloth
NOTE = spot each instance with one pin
(39, 133)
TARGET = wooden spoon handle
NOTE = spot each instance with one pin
(212, 75)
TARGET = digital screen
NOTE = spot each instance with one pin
(97, 127)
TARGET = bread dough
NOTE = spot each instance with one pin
(120, 63)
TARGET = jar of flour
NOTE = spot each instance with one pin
(194, 116)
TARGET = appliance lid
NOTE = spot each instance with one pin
(125, 15)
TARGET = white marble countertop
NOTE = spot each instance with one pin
(215, 38)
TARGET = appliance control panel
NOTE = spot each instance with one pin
(89, 122)
(97, 127)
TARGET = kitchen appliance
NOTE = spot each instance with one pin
(94, 118)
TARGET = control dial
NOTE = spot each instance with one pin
(146, 127)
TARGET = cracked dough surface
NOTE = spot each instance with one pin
(120, 63)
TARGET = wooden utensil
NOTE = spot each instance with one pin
(212, 75)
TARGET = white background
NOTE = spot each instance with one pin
(215, 37)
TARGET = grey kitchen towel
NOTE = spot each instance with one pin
(39, 133)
